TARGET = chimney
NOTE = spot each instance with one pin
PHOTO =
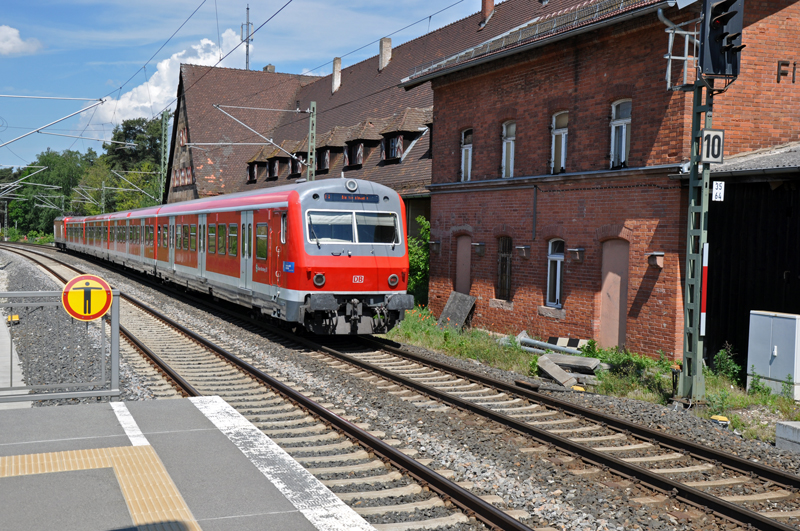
(337, 74)
(270, 69)
(385, 53)
(486, 11)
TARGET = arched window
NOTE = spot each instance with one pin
(555, 278)
(509, 140)
(558, 154)
(620, 133)
(466, 155)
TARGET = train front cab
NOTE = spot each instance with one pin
(355, 259)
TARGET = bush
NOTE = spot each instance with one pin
(419, 261)
(787, 388)
(725, 366)
(757, 387)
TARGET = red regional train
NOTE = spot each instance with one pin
(328, 255)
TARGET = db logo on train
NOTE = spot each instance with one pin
(358, 279)
(86, 297)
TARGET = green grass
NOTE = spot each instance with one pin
(419, 328)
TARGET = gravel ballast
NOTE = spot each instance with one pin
(477, 450)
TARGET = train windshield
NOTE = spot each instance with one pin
(352, 227)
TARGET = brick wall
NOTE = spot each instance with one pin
(585, 75)
(645, 210)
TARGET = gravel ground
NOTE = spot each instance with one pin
(53, 348)
(475, 449)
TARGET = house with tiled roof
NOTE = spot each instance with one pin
(367, 126)
(559, 188)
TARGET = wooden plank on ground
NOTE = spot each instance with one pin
(555, 372)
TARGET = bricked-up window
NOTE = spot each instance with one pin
(504, 253)
(620, 133)
(509, 141)
(558, 154)
(466, 155)
(555, 278)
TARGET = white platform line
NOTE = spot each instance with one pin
(318, 504)
(128, 424)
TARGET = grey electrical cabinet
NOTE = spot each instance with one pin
(773, 350)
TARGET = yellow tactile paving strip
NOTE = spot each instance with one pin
(149, 491)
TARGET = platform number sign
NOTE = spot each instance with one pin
(718, 191)
(712, 145)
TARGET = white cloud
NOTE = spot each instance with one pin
(12, 44)
(160, 89)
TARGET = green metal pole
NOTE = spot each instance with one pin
(164, 155)
(692, 383)
(311, 172)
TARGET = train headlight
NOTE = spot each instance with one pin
(319, 280)
(351, 185)
(393, 280)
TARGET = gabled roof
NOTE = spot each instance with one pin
(368, 102)
(550, 20)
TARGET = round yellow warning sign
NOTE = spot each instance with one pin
(86, 297)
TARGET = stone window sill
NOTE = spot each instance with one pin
(555, 313)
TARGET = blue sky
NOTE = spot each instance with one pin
(91, 48)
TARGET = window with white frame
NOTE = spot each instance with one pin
(620, 133)
(274, 166)
(558, 155)
(466, 155)
(509, 136)
(555, 277)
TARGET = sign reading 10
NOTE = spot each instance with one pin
(712, 145)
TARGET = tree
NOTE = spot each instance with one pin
(146, 134)
(419, 261)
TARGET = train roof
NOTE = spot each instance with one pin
(253, 199)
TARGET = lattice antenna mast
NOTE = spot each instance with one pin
(247, 28)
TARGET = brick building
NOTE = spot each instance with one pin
(558, 194)
(367, 126)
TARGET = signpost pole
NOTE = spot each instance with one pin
(115, 341)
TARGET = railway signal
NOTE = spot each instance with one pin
(721, 38)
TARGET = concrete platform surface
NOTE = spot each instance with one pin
(187, 464)
(787, 436)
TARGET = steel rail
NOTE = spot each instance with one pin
(775, 475)
(471, 504)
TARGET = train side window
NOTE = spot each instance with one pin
(165, 234)
(193, 237)
(212, 239)
(261, 241)
(178, 229)
(283, 227)
(202, 241)
(186, 237)
(233, 239)
(249, 240)
(222, 237)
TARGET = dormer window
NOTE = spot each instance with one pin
(274, 168)
(297, 165)
(394, 147)
(323, 159)
(354, 154)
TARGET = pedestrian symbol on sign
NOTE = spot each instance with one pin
(86, 297)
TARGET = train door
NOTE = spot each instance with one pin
(142, 238)
(171, 243)
(246, 262)
(201, 244)
(278, 248)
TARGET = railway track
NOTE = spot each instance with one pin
(590, 444)
(361, 467)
